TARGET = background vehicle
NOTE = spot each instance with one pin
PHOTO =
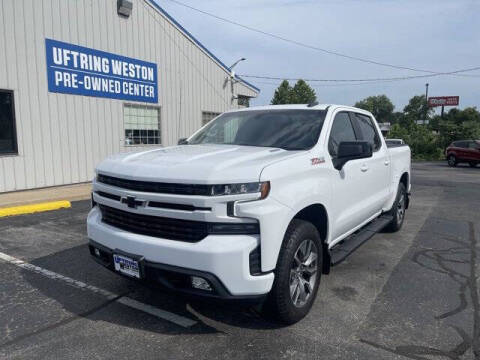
(258, 203)
(394, 142)
(463, 151)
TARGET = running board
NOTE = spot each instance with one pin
(346, 247)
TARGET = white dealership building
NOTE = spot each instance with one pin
(83, 79)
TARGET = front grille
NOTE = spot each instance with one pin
(155, 187)
(166, 228)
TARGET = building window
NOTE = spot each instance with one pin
(8, 135)
(142, 125)
(243, 101)
(207, 116)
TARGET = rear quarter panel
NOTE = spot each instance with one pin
(400, 160)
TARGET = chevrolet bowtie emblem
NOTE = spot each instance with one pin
(132, 202)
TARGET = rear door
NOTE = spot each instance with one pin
(473, 151)
(376, 170)
(476, 150)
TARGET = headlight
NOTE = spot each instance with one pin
(246, 188)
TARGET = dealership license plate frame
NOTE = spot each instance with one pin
(120, 257)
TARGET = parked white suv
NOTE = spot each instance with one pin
(258, 202)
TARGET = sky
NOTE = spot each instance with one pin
(436, 35)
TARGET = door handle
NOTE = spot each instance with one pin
(364, 168)
(387, 162)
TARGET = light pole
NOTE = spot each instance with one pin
(232, 77)
(426, 102)
(235, 64)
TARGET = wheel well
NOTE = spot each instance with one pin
(404, 180)
(317, 215)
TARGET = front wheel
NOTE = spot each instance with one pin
(297, 275)
(452, 160)
(472, 164)
(398, 209)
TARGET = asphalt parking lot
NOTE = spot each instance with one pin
(413, 294)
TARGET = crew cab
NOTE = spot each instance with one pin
(463, 151)
(256, 205)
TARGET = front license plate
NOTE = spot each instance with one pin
(126, 266)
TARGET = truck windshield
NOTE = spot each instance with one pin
(286, 129)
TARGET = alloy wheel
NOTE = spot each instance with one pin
(401, 208)
(303, 274)
(451, 160)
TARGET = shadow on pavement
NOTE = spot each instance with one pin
(77, 264)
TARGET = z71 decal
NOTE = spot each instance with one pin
(317, 161)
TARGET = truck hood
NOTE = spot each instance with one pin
(196, 164)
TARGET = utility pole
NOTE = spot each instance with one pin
(426, 102)
(232, 78)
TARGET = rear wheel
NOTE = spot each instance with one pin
(398, 209)
(452, 160)
(472, 163)
(297, 275)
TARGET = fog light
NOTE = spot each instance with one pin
(200, 283)
(97, 252)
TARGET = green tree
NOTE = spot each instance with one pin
(302, 93)
(282, 94)
(422, 141)
(380, 106)
(457, 125)
(397, 117)
(416, 108)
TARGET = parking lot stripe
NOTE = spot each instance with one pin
(149, 309)
(33, 208)
(127, 301)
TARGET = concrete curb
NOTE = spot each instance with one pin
(33, 208)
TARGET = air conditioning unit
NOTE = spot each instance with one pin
(124, 8)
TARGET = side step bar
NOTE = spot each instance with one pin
(342, 250)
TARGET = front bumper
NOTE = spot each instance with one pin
(223, 260)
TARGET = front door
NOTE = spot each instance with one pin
(350, 185)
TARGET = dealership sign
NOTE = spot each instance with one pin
(73, 69)
(443, 101)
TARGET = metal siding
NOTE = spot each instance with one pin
(62, 137)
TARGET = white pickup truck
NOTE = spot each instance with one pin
(257, 204)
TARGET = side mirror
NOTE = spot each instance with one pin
(351, 150)
(182, 141)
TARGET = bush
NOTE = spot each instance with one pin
(422, 141)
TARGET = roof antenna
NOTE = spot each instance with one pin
(312, 104)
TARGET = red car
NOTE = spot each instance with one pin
(463, 151)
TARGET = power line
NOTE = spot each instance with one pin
(308, 46)
(317, 86)
(362, 80)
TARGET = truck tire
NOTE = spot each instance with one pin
(452, 160)
(297, 275)
(398, 210)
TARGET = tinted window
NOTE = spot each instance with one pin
(8, 137)
(461, 144)
(286, 129)
(342, 130)
(368, 131)
(473, 145)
